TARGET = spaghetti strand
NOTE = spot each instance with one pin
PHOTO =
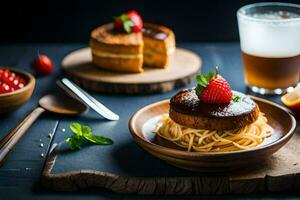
(202, 140)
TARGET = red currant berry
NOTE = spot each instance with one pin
(22, 80)
(5, 76)
(11, 89)
(21, 85)
(4, 88)
(15, 84)
(9, 80)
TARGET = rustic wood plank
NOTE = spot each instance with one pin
(278, 174)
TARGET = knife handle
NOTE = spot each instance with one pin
(16, 136)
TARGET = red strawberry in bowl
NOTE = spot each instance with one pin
(213, 88)
(128, 22)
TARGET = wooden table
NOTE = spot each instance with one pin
(19, 176)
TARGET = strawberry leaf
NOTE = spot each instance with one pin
(199, 90)
(202, 81)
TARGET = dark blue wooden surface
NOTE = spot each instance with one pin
(19, 176)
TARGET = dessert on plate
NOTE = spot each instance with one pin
(128, 44)
(213, 118)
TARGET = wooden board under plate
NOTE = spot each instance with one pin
(78, 66)
(279, 174)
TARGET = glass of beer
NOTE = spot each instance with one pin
(270, 44)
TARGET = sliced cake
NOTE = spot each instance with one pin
(117, 51)
(128, 44)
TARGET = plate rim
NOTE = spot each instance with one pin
(177, 152)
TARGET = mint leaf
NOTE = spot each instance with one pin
(97, 139)
(76, 128)
(236, 98)
(82, 134)
(127, 25)
(124, 17)
(127, 22)
(74, 142)
(86, 130)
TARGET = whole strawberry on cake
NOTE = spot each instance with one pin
(128, 44)
(213, 118)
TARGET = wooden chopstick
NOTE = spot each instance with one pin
(4, 140)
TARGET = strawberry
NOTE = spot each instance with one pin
(118, 25)
(213, 88)
(136, 19)
(128, 22)
(42, 65)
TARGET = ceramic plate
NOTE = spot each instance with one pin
(143, 122)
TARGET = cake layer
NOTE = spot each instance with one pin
(154, 59)
(159, 45)
(106, 54)
(122, 49)
(119, 64)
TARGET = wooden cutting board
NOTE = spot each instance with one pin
(184, 65)
(146, 175)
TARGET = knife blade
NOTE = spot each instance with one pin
(89, 100)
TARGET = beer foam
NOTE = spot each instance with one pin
(275, 15)
(272, 34)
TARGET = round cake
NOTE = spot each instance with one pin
(186, 109)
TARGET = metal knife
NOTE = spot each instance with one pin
(89, 100)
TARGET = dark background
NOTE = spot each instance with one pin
(61, 21)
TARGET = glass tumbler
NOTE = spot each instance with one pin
(270, 44)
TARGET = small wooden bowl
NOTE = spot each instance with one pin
(143, 122)
(13, 100)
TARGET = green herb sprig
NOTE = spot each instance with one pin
(127, 22)
(236, 98)
(83, 134)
